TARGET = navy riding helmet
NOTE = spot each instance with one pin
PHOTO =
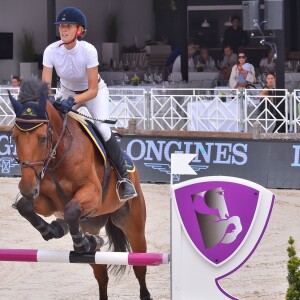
(71, 15)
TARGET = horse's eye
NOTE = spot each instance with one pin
(43, 139)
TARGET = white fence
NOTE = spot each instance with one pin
(220, 109)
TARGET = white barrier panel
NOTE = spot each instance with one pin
(217, 223)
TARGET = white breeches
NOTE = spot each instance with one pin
(98, 107)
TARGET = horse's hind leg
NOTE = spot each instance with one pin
(132, 222)
(100, 273)
(56, 229)
(93, 226)
(138, 244)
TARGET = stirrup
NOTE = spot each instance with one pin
(118, 188)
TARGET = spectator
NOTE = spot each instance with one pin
(267, 63)
(15, 81)
(268, 90)
(275, 105)
(226, 65)
(235, 35)
(205, 60)
(191, 52)
(242, 73)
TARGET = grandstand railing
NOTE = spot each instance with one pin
(188, 109)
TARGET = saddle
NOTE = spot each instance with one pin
(96, 138)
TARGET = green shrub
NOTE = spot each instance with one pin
(293, 291)
(27, 46)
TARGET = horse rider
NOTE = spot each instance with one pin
(76, 64)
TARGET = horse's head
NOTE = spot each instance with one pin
(215, 199)
(32, 134)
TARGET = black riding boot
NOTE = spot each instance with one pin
(117, 160)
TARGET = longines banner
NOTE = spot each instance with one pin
(273, 164)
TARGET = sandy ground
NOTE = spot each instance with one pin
(262, 277)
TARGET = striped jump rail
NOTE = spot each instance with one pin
(104, 258)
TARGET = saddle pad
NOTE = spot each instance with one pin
(90, 130)
(94, 135)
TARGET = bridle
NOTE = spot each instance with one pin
(51, 150)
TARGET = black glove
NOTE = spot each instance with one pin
(65, 105)
(51, 99)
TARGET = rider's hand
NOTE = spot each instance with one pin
(65, 105)
(51, 98)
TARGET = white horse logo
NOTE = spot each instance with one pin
(216, 224)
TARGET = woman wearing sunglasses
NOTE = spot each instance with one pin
(242, 73)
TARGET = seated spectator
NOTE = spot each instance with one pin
(229, 60)
(242, 73)
(267, 63)
(205, 60)
(15, 81)
(191, 52)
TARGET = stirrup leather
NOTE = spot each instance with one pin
(118, 189)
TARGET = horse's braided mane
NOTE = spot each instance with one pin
(30, 90)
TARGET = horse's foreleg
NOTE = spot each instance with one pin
(82, 242)
(56, 229)
(134, 229)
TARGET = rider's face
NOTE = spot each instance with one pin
(67, 32)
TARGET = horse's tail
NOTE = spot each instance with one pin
(117, 242)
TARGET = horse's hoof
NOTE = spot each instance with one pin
(82, 248)
(96, 242)
(91, 243)
(62, 226)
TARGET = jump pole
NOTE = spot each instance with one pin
(107, 258)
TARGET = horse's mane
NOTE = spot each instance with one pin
(30, 90)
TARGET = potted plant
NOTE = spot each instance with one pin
(135, 80)
(110, 48)
(28, 65)
(293, 291)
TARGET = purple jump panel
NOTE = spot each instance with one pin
(18, 255)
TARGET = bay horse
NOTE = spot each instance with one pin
(63, 174)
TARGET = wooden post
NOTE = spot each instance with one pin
(256, 130)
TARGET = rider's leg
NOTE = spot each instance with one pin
(117, 159)
(99, 108)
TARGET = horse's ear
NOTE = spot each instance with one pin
(17, 106)
(42, 103)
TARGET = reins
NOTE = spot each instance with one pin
(53, 151)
